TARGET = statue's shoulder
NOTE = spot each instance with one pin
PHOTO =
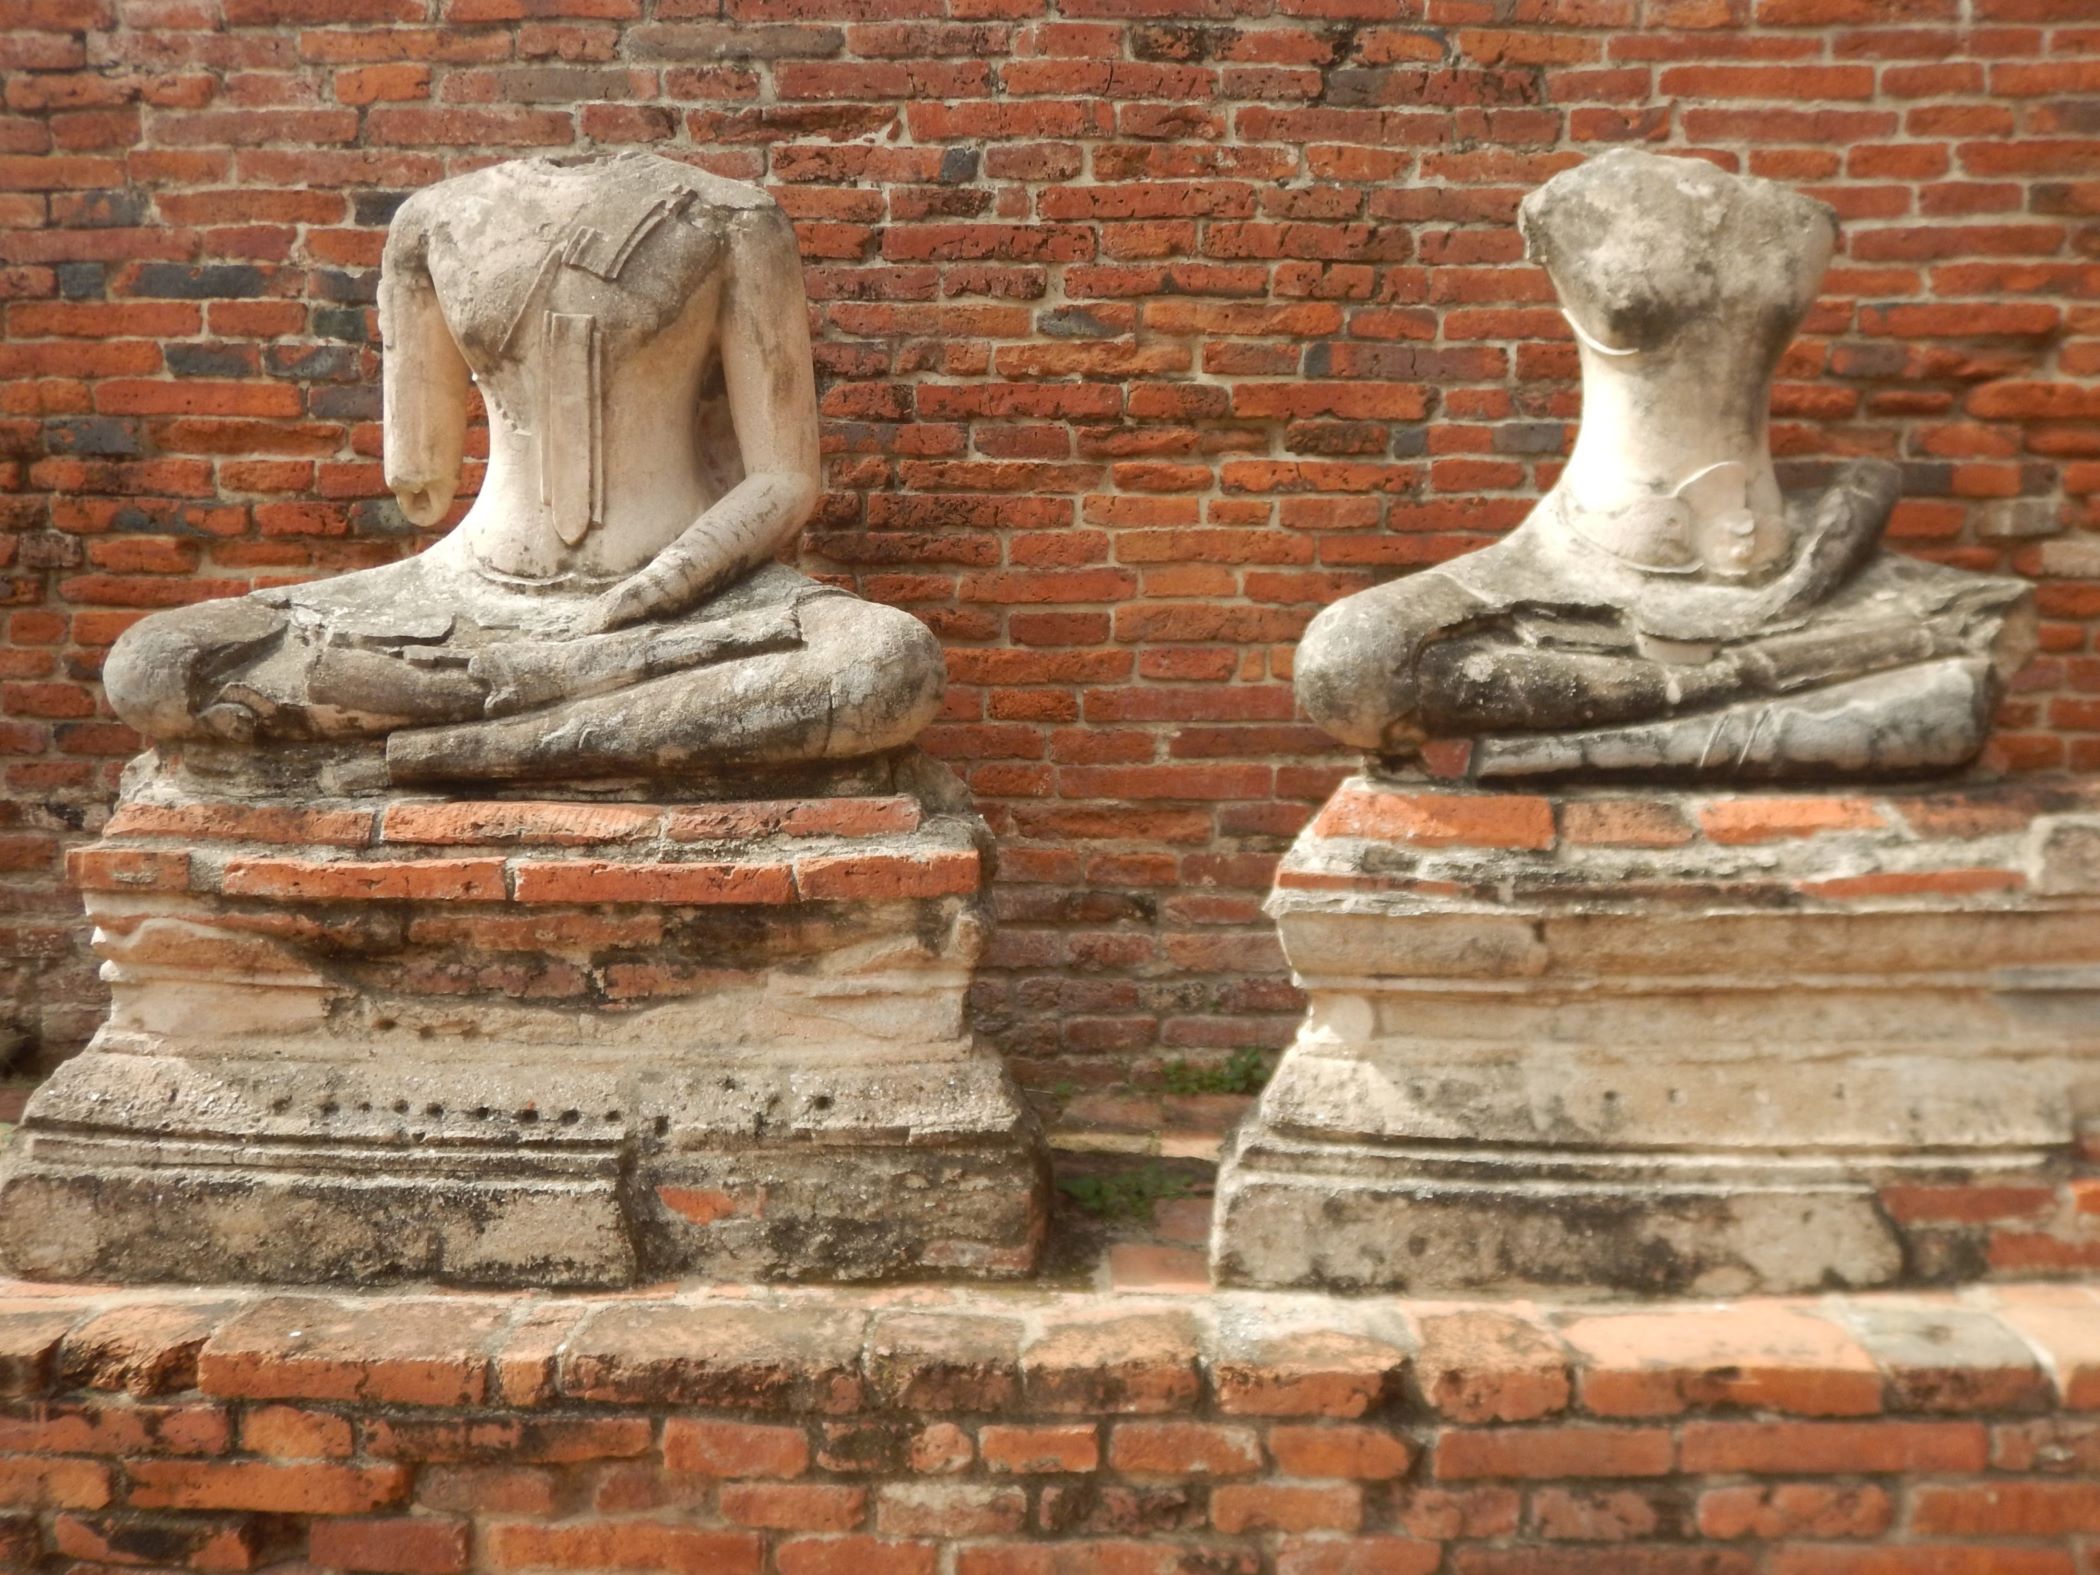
(719, 193)
(426, 201)
(614, 193)
(408, 230)
(428, 207)
(759, 229)
(414, 211)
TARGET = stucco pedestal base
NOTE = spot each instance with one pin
(513, 1043)
(1674, 1043)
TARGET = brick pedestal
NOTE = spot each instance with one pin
(1671, 1043)
(532, 1043)
(816, 1432)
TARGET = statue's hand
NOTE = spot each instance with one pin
(424, 503)
(676, 579)
(652, 591)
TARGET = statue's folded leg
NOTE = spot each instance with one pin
(527, 675)
(1489, 683)
(1932, 716)
(238, 670)
(165, 673)
(1356, 669)
(866, 678)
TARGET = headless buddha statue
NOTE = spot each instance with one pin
(609, 607)
(1665, 609)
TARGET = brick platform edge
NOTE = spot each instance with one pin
(942, 1432)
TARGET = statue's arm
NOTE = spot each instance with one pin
(423, 377)
(764, 338)
(1843, 524)
(1481, 683)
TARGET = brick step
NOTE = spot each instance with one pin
(1036, 1431)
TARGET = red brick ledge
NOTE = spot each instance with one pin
(1427, 816)
(683, 855)
(2006, 843)
(528, 821)
(1037, 1433)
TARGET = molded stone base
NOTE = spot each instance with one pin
(520, 1043)
(1672, 1043)
(918, 1173)
(1367, 1217)
(85, 1216)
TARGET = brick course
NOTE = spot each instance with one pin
(769, 1437)
(1144, 330)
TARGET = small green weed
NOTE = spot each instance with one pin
(1124, 1194)
(1245, 1072)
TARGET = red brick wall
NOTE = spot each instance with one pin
(1146, 328)
(1047, 1436)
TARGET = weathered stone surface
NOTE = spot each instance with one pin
(1491, 1366)
(728, 1358)
(1767, 1359)
(1092, 1360)
(426, 1352)
(1666, 610)
(939, 1362)
(609, 606)
(536, 1043)
(2059, 1322)
(1345, 1361)
(2066, 855)
(1746, 1056)
(1377, 1221)
(143, 1350)
(85, 1215)
(30, 1332)
(1944, 1358)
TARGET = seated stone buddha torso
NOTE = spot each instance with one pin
(1666, 608)
(610, 605)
